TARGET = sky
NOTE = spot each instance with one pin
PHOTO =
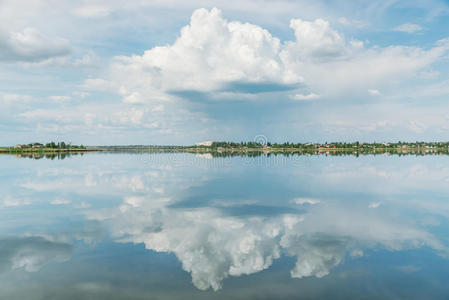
(179, 72)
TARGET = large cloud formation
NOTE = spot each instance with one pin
(211, 54)
(183, 91)
(215, 55)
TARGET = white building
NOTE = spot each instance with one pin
(205, 143)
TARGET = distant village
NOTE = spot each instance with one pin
(326, 145)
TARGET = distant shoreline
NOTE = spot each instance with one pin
(45, 150)
(253, 148)
(225, 152)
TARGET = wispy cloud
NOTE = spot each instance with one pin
(408, 27)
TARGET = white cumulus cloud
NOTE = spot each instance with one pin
(214, 55)
(211, 54)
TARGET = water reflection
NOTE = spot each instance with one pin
(46, 155)
(31, 253)
(227, 153)
(226, 220)
(213, 245)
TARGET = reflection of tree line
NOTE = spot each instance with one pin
(238, 152)
(226, 149)
(255, 153)
(52, 156)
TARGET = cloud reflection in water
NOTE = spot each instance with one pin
(238, 218)
(214, 242)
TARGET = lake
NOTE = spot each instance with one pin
(186, 226)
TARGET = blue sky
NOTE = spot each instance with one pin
(178, 72)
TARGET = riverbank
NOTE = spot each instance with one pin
(46, 150)
(251, 148)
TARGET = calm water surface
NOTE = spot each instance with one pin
(184, 226)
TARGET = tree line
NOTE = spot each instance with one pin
(339, 145)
